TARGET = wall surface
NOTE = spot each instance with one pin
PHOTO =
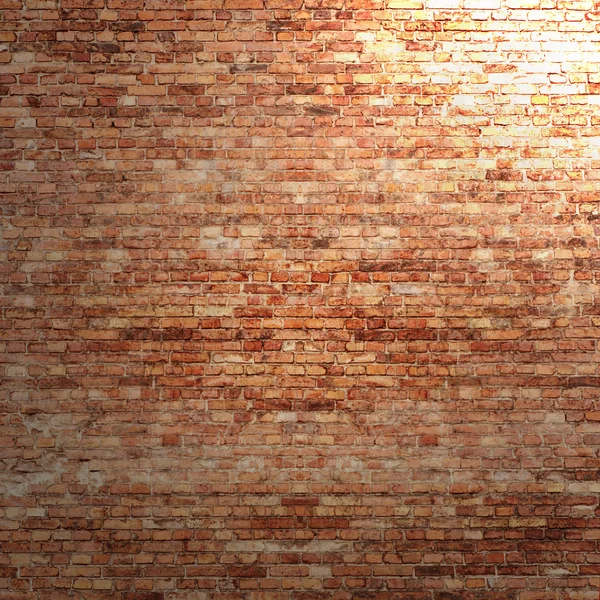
(300, 299)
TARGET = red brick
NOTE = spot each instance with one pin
(299, 299)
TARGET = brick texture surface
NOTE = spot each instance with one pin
(300, 299)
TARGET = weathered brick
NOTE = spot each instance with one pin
(299, 299)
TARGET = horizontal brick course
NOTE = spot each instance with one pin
(299, 299)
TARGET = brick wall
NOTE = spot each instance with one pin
(300, 299)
